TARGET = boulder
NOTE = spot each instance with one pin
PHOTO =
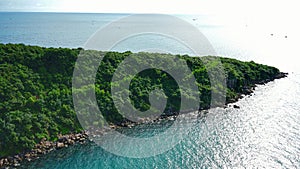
(1, 162)
(47, 144)
(71, 142)
(60, 145)
(27, 155)
(236, 106)
(39, 151)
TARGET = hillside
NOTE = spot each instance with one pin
(36, 90)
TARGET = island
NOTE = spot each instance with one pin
(36, 106)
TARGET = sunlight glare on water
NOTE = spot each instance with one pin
(262, 133)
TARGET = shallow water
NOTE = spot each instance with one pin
(264, 132)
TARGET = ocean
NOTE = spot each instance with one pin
(263, 133)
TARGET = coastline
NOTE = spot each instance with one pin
(44, 147)
(64, 141)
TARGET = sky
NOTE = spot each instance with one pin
(264, 11)
(226, 7)
(272, 12)
(278, 16)
(112, 6)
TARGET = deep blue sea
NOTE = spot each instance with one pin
(263, 133)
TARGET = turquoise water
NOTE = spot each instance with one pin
(263, 133)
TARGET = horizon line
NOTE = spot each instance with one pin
(82, 12)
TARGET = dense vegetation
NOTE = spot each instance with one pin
(36, 90)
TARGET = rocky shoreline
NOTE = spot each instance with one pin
(248, 90)
(43, 148)
(63, 141)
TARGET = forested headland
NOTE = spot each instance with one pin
(36, 90)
